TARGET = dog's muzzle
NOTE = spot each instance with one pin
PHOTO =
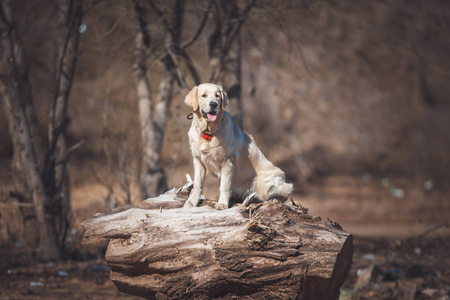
(212, 114)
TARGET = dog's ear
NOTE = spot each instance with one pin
(224, 97)
(192, 99)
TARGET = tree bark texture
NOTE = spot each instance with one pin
(231, 78)
(153, 178)
(12, 49)
(154, 117)
(265, 251)
(47, 185)
(17, 88)
(225, 52)
(56, 178)
(21, 190)
(16, 83)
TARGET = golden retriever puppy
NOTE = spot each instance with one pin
(220, 147)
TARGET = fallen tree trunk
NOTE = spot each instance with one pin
(161, 250)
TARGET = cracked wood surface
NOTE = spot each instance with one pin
(161, 250)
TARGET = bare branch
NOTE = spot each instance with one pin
(75, 147)
(142, 22)
(286, 32)
(190, 65)
(237, 27)
(65, 71)
(14, 203)
(113, 27)
(229, 38)
(172, 35)
(90, 7)
(200, 28)
(160, 14)
(177, 68)
(125, 182)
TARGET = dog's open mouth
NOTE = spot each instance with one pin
(210, 116)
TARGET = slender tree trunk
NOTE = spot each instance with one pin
(16, 82)
(225, 52)
(171, 75)
(230, 78)
(152, 172)
(21, 191)
(48, 245)
(49, 190)
(55, 173)
(171, 69)
(12, 46)
(12, 51)
(154, 118)
(163, 101)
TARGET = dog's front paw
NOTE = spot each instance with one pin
(221, 206)
(191, 202)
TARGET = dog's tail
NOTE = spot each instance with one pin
(270, 181)
(280, 190)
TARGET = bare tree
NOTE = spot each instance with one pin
(153, 117)
(123, 158)
(152, 173)
(225, 57)
(225, 51)
(55, 174)
(46, 186)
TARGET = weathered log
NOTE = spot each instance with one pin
(161, 250)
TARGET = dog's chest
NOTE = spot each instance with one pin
(212, 155)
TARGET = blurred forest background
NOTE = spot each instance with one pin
(349, 98)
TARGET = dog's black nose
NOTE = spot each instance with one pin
(213, 105)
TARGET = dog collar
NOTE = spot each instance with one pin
(207, 136)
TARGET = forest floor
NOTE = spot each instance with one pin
(402, 244)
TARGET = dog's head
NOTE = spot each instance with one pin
(207, 99)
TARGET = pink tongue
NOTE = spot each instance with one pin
(211, 117)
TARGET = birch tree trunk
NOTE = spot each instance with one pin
(152, 172)
(12, 48)
(47, 187)
(21, 189)
(16, 82)
(154, 117)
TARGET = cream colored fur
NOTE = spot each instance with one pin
(230, 154)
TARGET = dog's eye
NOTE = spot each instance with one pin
(218, 94)
(204, 95)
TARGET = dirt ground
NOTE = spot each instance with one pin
(401, 241)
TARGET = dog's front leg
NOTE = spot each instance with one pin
(199, 177)
(226, 175)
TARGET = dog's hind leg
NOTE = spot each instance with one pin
(249, 199)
